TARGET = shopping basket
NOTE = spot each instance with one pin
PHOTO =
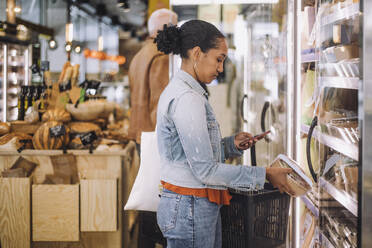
(255, 218)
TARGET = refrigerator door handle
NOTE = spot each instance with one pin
(242, 108)
(266, 106)
(308, 144)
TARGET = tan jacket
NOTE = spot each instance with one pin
(148, 76)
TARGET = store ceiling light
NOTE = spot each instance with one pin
(52, 44)
(17, 9)
(68, 47)
(77, 49)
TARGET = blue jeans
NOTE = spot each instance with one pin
(189, 221)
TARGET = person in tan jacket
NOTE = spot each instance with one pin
(148, 76)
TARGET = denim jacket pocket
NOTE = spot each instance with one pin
(215, 138)
(168, 211)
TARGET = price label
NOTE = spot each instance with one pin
(57, 131)
(88, 138)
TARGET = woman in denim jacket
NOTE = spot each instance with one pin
(194, 176)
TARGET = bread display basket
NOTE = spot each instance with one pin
(297, 180)
(86, 111)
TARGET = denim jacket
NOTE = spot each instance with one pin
(191, 148)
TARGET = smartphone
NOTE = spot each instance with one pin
(258, 137)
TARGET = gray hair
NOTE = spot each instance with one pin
(158, 18)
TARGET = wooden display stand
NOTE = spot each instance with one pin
(87, 214)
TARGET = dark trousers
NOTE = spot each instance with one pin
(149, 232)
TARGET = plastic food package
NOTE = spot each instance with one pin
(298, 181)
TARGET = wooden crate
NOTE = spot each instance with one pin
(98, 205)
(15, 212)
(55, 212)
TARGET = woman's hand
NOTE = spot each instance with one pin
(278, 178)
(244, 140)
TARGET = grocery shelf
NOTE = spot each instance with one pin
(310, 57)
(342, 14)
(310, 205)
(340, 82)
(339, 145)
(341, 196)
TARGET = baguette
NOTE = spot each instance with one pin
(61, 76)
(75, 74)
(67, 75)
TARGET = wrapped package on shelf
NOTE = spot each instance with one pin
(342, 34)
(346, 52)
(307, 228)
(297, 180)
(349, 174)
(308, 17)
(307, 96)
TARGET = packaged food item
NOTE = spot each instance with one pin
(346, 52)
(349, 174)
(31, 115)
(298, 181)
(307, 228)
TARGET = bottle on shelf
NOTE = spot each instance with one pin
(28, 98)
(21, 103)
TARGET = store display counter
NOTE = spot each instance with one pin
(85, 214)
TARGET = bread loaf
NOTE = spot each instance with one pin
(44, 141)
(4, 128)
(14, 141)
(60, 115)
(84, 127)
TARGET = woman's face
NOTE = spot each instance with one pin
(210, 64)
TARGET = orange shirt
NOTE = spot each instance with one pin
(214, 195)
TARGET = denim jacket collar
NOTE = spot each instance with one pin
(190, 81)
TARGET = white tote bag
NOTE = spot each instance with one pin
(147, 187)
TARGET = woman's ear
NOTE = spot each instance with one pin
(195, 53)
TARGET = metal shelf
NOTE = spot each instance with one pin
(336, 144)
(310, 205)
(341, 196)
(340, 82)
(310, 57)
(342, 14)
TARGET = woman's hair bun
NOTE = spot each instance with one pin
(168, 40)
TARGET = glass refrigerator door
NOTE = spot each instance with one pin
(266, 107)
(14, 75)
(330, 98)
